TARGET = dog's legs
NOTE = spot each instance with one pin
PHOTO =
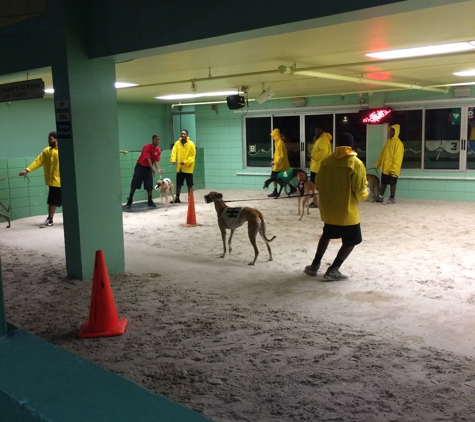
(252, 233)
(262, 232)
(223, 237)
(304, 203)
(173, 195)
(230, 248)
(6, 217)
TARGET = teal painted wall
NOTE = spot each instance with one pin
(220, 134)
(42, 382)
(138, 122)
(127, 165)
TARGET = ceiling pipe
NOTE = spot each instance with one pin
(359, 80)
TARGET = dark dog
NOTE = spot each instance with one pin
(233, 218)
(6, 217)
(283, 179)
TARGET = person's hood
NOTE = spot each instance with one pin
(342, 152)
(275, 133)
(397, 130)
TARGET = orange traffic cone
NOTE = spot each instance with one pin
(191, 216)
(103, 319)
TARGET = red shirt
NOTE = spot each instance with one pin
(149, 151)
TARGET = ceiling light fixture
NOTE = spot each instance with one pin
(202, 94)
(120, 85)
(423, 51)
(465, 73)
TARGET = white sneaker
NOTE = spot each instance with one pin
(47, 223)
(391, 201)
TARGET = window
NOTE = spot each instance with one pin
(258, 141)
(410, 135)
(442, 138)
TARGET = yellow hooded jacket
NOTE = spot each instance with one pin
(185, 153)
(390, 157)
(322, 148)
(341, 183)
(49, 159)
(281, 160)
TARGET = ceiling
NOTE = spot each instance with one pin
(336, 51)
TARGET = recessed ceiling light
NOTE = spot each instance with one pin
(119, 85)
(423, 51)
(465, 73)
(203, 94)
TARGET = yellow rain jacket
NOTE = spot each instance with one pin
(185, 153)
(49, 159)
(341, 183)
(281, 160)
(390, 157)
(322, 148)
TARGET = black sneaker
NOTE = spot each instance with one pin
(273, 194)
(292, 190)
(47, 223)
(177, 201)
(129, 202)
(151, 204)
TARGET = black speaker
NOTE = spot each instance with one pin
(235, 102)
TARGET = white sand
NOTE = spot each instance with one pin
(395, 342)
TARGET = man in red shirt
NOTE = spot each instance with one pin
(144, 171)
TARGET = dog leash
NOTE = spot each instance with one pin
(375, 169)
(265, 199)
(11, 177)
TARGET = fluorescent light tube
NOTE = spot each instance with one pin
(203, 94)
(423, 51)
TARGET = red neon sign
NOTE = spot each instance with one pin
(375, 116)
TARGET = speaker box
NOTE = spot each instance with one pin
(235, 102)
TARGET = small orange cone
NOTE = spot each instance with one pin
(191, 216)
(103, 320)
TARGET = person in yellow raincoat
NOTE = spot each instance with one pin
(49, 160)
(322, 148)
(183, 156)
(341, 182)
(390, 160)
(280, 160)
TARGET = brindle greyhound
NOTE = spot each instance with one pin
(306, 190)
(6, 217)
(233, 218)
(374, 184)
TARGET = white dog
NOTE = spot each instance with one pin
(164, 186)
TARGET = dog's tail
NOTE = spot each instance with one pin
(262, 228)
(6, 208)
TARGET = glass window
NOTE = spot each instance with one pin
(289, 127)
(471, 138)
(258, 141)
(312, 121)
(410, 135)
(350, 122)
(442, 138)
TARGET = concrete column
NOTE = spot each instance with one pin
(88, 145)
(3, 319)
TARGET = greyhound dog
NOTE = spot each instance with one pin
(306, 190)
(6, 217)
(233, 218)
(283, 179)
(164, 187)
(374, 185)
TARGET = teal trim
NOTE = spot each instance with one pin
(42, 382)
